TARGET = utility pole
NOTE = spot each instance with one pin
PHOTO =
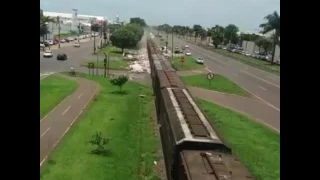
(101, 34)
(58, 19)
(78, 32)
(172, 46)
(90, 29)
(94, 42)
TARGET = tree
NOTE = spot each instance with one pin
(119, 81)
(263, 43)
(197, 29)
(272, 25)
(137, 30)
(44, 20)
(139, 21)
(217, 35)
(230, 32)
(95, 27)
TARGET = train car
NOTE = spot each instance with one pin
(210, 165)
(184, 127)
(190, 144)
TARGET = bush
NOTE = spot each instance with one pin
(119, 81)
(100, 144)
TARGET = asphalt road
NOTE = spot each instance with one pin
(75, 56)
(263, 85)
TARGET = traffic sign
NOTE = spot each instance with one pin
(210, 76)
(182, 59)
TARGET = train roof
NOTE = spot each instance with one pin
(186, 120)
(212, 165)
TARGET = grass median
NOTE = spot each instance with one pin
(127, 120)
(113, 64)
(111, 51)
(255, 145)
(53, 90)
(218, 83)
(189, 64)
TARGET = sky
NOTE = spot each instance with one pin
(246, 14)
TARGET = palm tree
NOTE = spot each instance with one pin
(272, 25)
(44, 20)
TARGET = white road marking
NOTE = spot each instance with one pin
(80, 95)
(66, 110)
(44, 132)
(261, 79)
(262, 87)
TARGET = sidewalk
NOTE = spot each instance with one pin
(252, 108)
(57, 123)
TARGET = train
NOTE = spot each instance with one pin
(192, 148)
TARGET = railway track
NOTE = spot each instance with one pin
(192, 148)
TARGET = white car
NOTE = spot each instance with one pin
(50, 42)
(70, 38)
(42, 45)
(200, 60)
(48, 53)
(188, 53)
(76, 44)
(186, 46)
(62, 40)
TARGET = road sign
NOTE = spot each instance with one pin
(210, 76)
(182, 59)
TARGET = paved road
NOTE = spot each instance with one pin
(58, 122)
(75, 56)
(263, 85)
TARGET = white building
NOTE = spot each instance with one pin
(68, 18)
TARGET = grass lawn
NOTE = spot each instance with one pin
(255, 145)
(126, 119)
(188, 64)
(218, 83)
(114, 64)
(263, 65)
(65, 35)
(111, 51)
(53, 90)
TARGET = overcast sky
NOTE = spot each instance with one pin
(246, 14)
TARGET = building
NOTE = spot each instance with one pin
(75, 18)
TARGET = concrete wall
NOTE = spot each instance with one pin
(250, 47)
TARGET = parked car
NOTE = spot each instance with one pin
(62, 40)
(186, 46)
(76, 44)
(48, 54)
(200, 60)
(62, 57)
(70, 38)
(42, 45)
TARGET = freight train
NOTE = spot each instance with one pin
(192, 148)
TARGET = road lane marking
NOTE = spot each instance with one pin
(44, 132)
(45, 158)
(55, 108)
(66, 110)
(208, 69)
(80, 95)
(260, 79)
(262, 87)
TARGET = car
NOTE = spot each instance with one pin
(200, 60)
(224, 48)
(186, 46)
(42, 45)
(62, 57)
(48, 53)
(62, 40)
(188, 53)
(70, 38)
(76, 44)
(49, 42)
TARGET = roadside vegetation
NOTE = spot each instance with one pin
(113, 64)
(188, 64)
(255, 145)
(218, 83)
(53, 90)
